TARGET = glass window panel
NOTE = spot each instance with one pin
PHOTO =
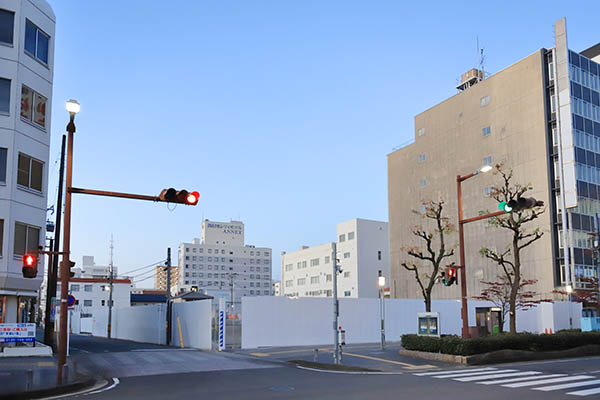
(36, 175)
(3, 154)
(1, 236)
(30, 37)
(26, 102)
(42, 46)
(23, 170)
(4, 95)
(40, 110)
(33, 238)
(20, 239)
(7, 21)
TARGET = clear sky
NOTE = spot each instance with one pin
(280, 113)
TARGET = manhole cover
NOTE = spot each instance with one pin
(282, 388)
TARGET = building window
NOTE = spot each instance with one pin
(314, 262)
(347, 274)
(342, 238)
(36, 42)
(347, 255)
(421, 132)
(423, 183)
(4, 95)
(301, 281)
(289, 267)
(27, 238)
(289, 283)
(87, 288)
(327, 259)
(87, 303)
(350, 235)
(103, 302)
(74, 288)
(487, 160)
(7, 24)
(347, 293)
(266, 292)
(187, 249)
(422, 157)
(484, 101)
(303, 264)
(29, 173)
(379, 255)
(328, 278)
(314, 279)
(486, 131)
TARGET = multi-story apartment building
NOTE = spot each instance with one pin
(362, 251)
(92, 295)
(26, 73)
(160, 277)
(220, 262)
(527, 115)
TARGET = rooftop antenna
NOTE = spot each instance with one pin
(480, 60)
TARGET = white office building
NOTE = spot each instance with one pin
(221, 261)
(26, 74)
(362, 251)
(92, 295)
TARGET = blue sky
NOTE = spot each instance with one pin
(280, 113)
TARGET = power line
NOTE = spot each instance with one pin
(147, 266)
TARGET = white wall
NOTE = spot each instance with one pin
(195, 318)
(141, 324)
(281, 321)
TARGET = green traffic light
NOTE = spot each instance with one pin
(504, 207)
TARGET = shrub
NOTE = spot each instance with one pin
(521, 341)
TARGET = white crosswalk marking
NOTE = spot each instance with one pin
(454, 371)
(528, 378)
(586, 392)
(545, 381)
(567, 385)
(473, 374)
(493, 376)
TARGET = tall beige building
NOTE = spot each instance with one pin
(160, 277)
(512, 117)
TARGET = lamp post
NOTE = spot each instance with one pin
(381, 284)
(461, 240)
(73, 108)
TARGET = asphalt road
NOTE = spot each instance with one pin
(81, 344)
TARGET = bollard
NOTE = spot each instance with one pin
(316, 355)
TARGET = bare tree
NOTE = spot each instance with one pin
(498, 293)
(510, 258)
(435, 248)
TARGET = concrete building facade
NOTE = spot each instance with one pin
(362, 250)
(221, 261)
(522, 117)
(26, 75)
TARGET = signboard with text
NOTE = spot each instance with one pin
(10, 333)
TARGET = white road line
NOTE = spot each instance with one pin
(456, 371)
(528, 378)
(585, 392)
(545, 381)
(493, 376)
(115, 383)
(567, 385)
(349, 372)
(474, 374)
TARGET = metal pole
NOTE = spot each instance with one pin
(48, 307)
(336, 307)
(66, 264)
(110, 294)
(381, 314)
(463, 274)
(168, 296)
(51, 293)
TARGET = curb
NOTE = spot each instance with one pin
(53, 391)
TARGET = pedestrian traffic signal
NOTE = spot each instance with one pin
(182, 196)
(448, 276)
(30, 266)
(504, 207)
(521, 203)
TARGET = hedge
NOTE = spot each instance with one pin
(452, 344)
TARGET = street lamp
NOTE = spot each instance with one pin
(381, 283)
(73, 108)
(461, 238)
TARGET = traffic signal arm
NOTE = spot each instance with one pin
(165, 195)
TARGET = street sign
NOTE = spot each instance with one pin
(53, 306)
(429, 324)
(70, 301)
(10, 333)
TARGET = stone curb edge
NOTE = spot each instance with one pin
(53, 391)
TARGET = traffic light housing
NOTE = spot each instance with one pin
(171, 195)
(521, 203)
(448, 276)
(30, 262)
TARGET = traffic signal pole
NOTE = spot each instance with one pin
(336, 308)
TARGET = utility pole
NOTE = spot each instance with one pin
(52, 277)
(110, 293)
(168, 296)
(231, 276)
(336, 307)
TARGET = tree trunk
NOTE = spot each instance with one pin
(515, 286)
(428, 302)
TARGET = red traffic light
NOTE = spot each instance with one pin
(29, 266)
(192, 198)
(179, 196)
(451, 272)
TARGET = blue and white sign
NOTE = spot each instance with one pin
(17, 333)
(222, 330)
